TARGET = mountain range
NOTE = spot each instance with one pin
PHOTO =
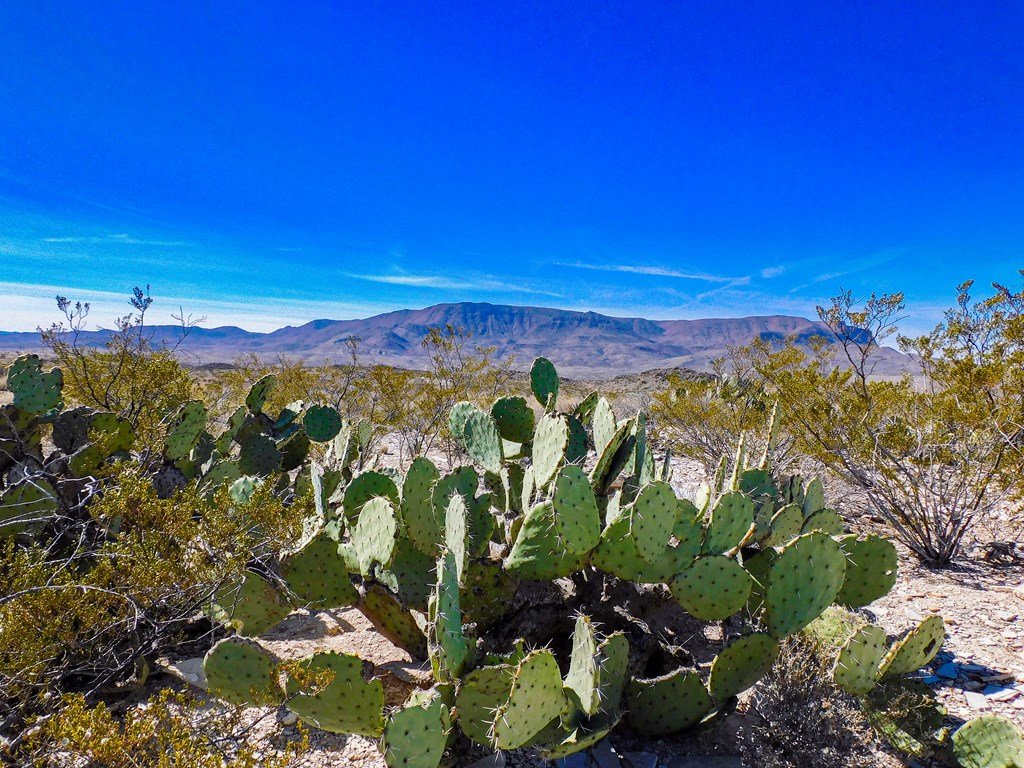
(581, 344)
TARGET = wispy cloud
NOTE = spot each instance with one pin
(770, 272)
(446, 283)
(655, 271)
(114, 239)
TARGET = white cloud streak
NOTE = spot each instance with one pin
(655, 271)
(445, 283)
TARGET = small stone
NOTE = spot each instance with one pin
(973, 668)
(575, 760)
(1002, 677)
(1006, 615)
(931, 679)
(1000, 693)
(640, 759)
(287, 717)
(948, 671)
(604, 756)
(913, 615)
(973, 685)
(975, 700)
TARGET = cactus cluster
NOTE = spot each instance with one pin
(526, 581)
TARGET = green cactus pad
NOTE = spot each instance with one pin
(785, 525)
(578, 739)
(487, 593)
(514, 418)
(185, 430)
(418, 507)
(856, 669)
(613, 655)
(410, 576)
(584, 410)
(464, 482)
(448, 647)
(617, 554)
(259, 456)
(456, 534)
(259, 392)
(603, 425)
(393, 620)
(576, 450)
(416, 736)
(227, 437)
(871, 569)
(252, 607)
(651, 520)
(713, 588)
(544, 382)
(989, 741)
(907, 714)
(535, 700)
(481, 440)
(813, 497)
(550, 441)
(663, 705)
(730, 522)
(576, 515)
(347, 704)
(219, 473)
(802, 582)
(915, 649)
(363, 488)
(71, 428)
(757, 484)
(584, 677)
(741, 664)
(35, 391)
(612, 458)
(457, 419)
(288, 415)
(240, 672)
(322, 423)
(242, 489)
(25, 503)
(318, 576)
(827, 521)
(791, 491)
(538, 551)
(374, 535)
(479, 695)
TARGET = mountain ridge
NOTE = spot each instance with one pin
(579, 343)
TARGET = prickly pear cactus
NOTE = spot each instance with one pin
(524, 582)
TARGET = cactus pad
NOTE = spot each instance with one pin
(418, 507)
(916, 649)
(456, 534)
(813, 497)
(259, 456)
(802, 582)
(317, 575)
(457, 418)
(347, 704)
(538, 552)
(241, 672)
(730, 522)
(35, 391)
(611, 458)
(481, 693)
(24, 503)
(322, 423)
(550, 441)
(785, 525)
(664, 705)
(514, 418)
(989, 741)
(741, 664)
(536, 698)
(259, 392)
(575, 510)
(375, 533)
(544, 382)
(185, 430)
(252, 607)
(827, 521)
(713, 588)
(871, 566)
(393, 620)
(651, 520)
(481, 440)
(603, 425)
(584, 677)
(448, 647)
(416, 736)
(363, 488)
(856, 670)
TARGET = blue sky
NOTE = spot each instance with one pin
(270, 163)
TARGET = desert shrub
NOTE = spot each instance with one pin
(132, 374)
(170, 730)
(932, 452)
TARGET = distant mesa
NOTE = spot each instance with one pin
(581, 344)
